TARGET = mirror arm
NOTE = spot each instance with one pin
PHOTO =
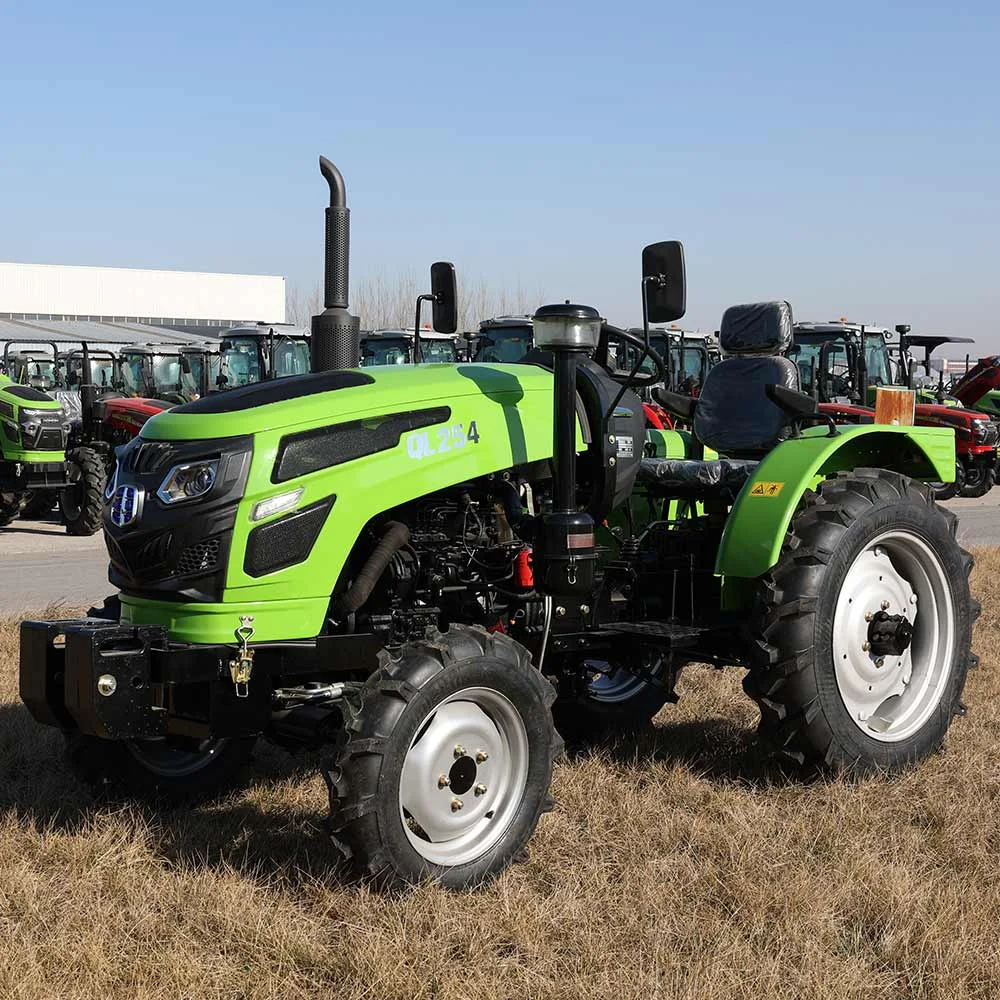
(418, 354)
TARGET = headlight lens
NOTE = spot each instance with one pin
(189, 481)
(980, 429)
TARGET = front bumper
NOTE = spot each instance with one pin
(162, 688)
(19, 476)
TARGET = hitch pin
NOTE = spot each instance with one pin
(241, 668)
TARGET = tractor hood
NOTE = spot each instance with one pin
(317, 399)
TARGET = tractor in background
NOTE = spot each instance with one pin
(842, 364)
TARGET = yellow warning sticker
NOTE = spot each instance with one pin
(766, 489)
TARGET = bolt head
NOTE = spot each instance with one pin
(584, 609)
(868, 616)
(611, 438)
(482, 756)
(866, 646)
(885, 605)
(107, 684)
(560, 611)
(862, 716)
(456, 804)
(444, 781)
(612, 461)
(459, 751)
(480, 789)
(880, 662)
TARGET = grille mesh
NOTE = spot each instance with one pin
(202, 557)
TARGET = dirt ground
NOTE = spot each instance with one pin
(683, 865)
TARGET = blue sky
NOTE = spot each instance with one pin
(843, 156)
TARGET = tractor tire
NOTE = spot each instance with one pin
(10, 508)
(947, 491)
(979, 481)
(613, 704)
(446, 762)
(868, 542)
(81, 502)
(154, 771)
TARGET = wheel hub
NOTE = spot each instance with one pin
(889, 635)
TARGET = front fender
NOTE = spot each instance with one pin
(756, 527)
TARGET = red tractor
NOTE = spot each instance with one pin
(843, 363)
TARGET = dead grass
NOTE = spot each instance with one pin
(682, 867)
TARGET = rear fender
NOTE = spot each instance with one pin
(758, 522)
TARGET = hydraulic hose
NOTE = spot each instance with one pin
(394, 537)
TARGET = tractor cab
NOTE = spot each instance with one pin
(251, 354)
(930, 387)
(504, 340)
(395, 347)
(174, 374)
(32, 363)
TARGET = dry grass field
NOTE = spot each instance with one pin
(684, 866)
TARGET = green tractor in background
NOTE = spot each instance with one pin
(33, 432)
(416, 570)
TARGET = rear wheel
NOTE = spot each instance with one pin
(80, 503)
(446, 767)
(867, 622)
(157, 770)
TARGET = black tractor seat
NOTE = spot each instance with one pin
(737, 414)
(687, 478)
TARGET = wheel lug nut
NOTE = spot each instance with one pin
(482, 756)
(444, 781)
(868, 616)
(880, 662)
(885, 605)
(456, 804)
(866, 646)
(480, 789)
(459, 750)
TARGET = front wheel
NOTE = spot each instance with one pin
(448, 757)
(157, 770)
(10, 508)
(80, 503)
(866, 627)
(979, 480)
(946, 491)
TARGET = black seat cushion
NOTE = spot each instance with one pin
(734, 415)
(757, 328)
(688, 478)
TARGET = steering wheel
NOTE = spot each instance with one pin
(602, 357)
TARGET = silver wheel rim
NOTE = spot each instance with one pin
(159, 757)
(464, 777)
(889, 698)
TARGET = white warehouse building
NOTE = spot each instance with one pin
(178, 299)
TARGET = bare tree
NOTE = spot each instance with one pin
(385, 302)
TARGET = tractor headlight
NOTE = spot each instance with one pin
(188, 481)
(566, 326)
(981, 431)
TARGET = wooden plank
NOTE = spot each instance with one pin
(895, 405)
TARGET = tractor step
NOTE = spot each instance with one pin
(661, 633)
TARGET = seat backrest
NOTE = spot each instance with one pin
(733, 415)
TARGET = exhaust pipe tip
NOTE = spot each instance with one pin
(333, 177)
(336, 334)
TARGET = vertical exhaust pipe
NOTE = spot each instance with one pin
(336, 334)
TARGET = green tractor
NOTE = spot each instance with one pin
(33, 433)
(414, 569)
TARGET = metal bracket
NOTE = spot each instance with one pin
(242, 667)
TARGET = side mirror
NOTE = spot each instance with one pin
(663, 282)
(444, 297)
